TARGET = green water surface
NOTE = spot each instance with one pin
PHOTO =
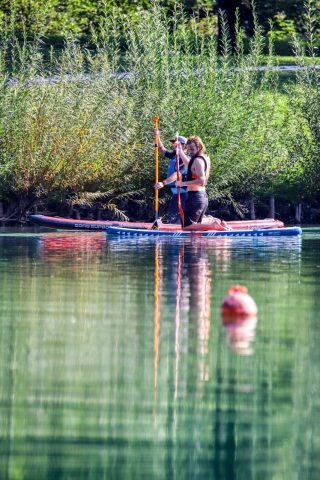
(115, 364)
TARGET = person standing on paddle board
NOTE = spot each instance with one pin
(173, 215)
(198, 169)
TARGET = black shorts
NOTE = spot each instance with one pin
(196, 206)
(173, 214)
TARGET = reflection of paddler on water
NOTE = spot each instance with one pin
(187, 278)
(156, 323)
(198, 270)
(175, 276)
(71, 245)
(239, 316)
(198, 169)
(189, 304)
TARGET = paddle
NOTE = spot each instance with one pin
(156, 222)
(178, 188)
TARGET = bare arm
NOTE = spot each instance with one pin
(166, 181)
(161, 147)
(183, 156)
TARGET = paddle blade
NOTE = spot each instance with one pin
(181, 215)
(156, 224)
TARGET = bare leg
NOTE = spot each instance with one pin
(216, 225)
(225, 224)
(209, 219)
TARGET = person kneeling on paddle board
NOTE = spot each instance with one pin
(172, 215)
(197, 176)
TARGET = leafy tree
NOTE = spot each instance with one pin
(285, 15)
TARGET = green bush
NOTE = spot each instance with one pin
(88, 134)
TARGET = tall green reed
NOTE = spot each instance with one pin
(305, 102)
(79, 126)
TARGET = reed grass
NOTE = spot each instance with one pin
(78, 127)
(304, 96)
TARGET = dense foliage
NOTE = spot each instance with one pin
(78, 126)
(77, 16)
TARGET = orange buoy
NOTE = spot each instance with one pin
(238, 304)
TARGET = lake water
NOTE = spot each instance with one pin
(114, 362)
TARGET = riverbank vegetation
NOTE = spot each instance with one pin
(76, 128)
(58, 17)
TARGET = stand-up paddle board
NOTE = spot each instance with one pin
(254, 232)
(73, 224)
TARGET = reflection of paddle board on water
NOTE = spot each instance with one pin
(71, 244)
